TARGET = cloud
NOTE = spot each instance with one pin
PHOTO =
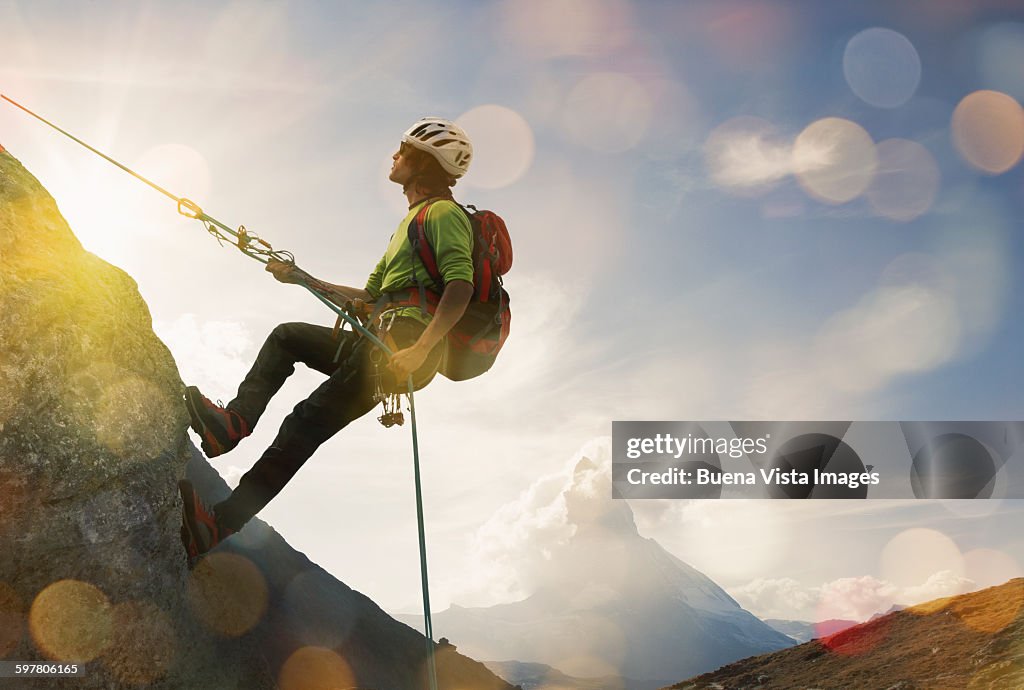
(213, 355)
(750, 159)
(925, 310)
(747, 155)
(774, 598)
(892, 330)
(855, 598)
(512, 552)
(944, 583)
(847, 598)
(232, 475)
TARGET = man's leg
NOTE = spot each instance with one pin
(221, 428)
(344, 397)
(287, 344)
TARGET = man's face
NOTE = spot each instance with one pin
(401, 168)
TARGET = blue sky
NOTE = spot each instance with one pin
(653, 279)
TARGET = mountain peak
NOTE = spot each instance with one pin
(589, 503)
(608, 601)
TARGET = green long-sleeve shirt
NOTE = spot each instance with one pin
(450, 234)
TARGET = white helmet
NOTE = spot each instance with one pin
(444, 140)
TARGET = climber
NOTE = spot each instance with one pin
(433, 154)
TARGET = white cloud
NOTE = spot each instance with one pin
(846, 598)
(891, 330)
(922, 314)
(214, 355)
(855, 598)
(232, 475)
(750, 159)
(512, 551)
(944, 583)
(775, 598)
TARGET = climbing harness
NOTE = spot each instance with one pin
(257, 248)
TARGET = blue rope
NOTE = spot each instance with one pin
(245, 244)
(428, 626)
(428, 631)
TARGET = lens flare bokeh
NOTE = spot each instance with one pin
(71, 621)
(907, 180)
(859, 640)
(988, 131)
(834, 160)
(913, 556)
(228, 593)
(316, 668)
(882, 67)
(502, 145)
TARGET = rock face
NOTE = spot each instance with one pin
(974, 640)
(92, 443)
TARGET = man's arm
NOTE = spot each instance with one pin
(450, 309)
(290, 273)
(345, 291)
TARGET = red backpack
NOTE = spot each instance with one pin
(474, 342)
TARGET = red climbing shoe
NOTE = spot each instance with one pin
(219, 428)
(200, 530)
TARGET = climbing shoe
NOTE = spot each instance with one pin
(219, 428)
(200, 530)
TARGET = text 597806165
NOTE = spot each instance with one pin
(39, 669)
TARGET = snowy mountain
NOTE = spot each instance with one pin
(613, 603)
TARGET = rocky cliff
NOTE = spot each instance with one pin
(92, 443)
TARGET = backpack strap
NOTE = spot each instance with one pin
(421, 245)
(481, 277)
(417, 233)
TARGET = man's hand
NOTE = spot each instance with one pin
(405, 362)
(283, 271)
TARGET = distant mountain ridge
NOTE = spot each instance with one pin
(615, 603)
(805, 631)
(530, 676)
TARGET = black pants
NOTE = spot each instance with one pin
(346, 395)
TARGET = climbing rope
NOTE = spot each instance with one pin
(256, 248)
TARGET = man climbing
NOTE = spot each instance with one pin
(433, 154)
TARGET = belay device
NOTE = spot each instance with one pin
(255, 247)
